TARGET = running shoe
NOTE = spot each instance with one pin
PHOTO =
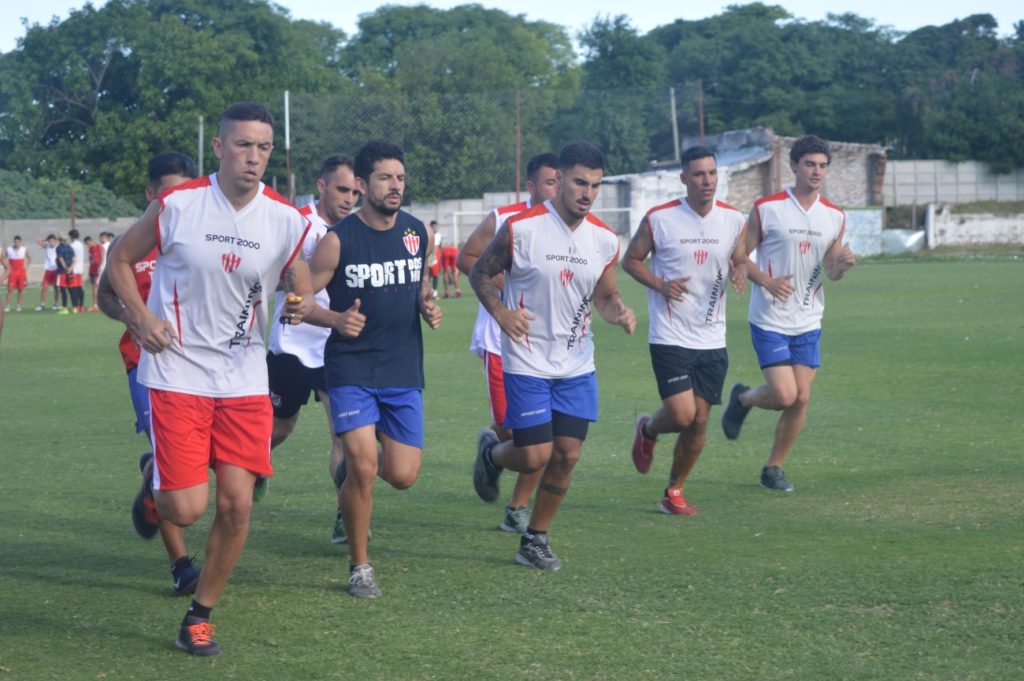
(535, 552)
(674, 503)
(772, 477)
(185, 576)
(735, 412)
(516, 519)
(362, 583)
(196, 637)
(485, 472)
(643, 446)
(144, 515)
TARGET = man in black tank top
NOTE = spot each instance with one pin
(372, 264)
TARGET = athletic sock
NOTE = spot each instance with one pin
(645, 432)
(530, 533)
(198, 611)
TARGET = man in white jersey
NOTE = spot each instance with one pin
(799, 237)
(557, 259)
(17, 261)
(49, 244)
(224, 242)
(541, 183)
(295, 362)
(695, 245)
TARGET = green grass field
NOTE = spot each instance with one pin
(899, 556)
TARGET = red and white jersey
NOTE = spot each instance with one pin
(143, 271)
(486, 332)
(106, 249)
(794, 241)
(554, 272)
(50, 264)
(688, 245)
(79, 248)
(215, 268)
(305, 341)
(16, 256)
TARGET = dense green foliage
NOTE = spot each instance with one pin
(23, 197)
(898, 556)
(91, 97)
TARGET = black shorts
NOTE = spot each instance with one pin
(291, 382)
(678, 369)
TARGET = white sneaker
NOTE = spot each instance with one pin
(19, 308)
(40, 308)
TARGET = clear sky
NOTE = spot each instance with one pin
(577, 14)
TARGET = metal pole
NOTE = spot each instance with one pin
(675, 123)
(700, 107)
(288, 150)
(201, 145)
(519, 142)
(72, 206)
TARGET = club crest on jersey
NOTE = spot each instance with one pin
(412, 241)
(230, 261)
(567, 276)
(804, 247)
(701, 256)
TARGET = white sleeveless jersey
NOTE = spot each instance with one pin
(51, 258)
(688, 245)
(79, 248)
(794, 241)
(554, 272)
(215, 269)
(15, 255)
(305, 341)
(486, 332)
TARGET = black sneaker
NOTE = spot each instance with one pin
(196, 637)
(535, 552)
(486, 473)
(772, 477)
(732, 417)
(185, 576)
(144, 516)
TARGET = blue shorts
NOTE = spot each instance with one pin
(778, 349)
(140, 400)
(398, 412)
(532, 400)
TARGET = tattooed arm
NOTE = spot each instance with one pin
(485, 276)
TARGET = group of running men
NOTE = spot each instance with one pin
(189, 281)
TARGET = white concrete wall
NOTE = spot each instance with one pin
(920, 182)
(953, 229)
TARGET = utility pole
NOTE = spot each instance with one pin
(675, 123)
(200, 146)
(519, 141)
(290, 179)
(700, 107)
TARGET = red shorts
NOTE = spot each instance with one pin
(50, 278)
(435, 269)
(495, 387)
(69, 280)
(448, 256)
(17, 280)
(191, 433)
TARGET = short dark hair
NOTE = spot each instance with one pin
(87, 239)
(580, 153)
(433, 222)
(245, 111)
(545, 160)
(17, 237)
(73, 234)
(168, 163)
(372, 153)
(332, 163)
(810, 144)
(51, 236)
(694, 153)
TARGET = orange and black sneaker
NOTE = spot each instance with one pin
(196, 637)
(643, 446)
(674, 503)
(144, 515)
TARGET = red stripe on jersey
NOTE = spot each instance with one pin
(273, 195)
(780, 196)
(512, 208)
(664, 206)
(177, 316)
(298, 247)
(726, 206)
(191, 184)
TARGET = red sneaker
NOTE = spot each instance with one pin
(674, 503)
(643, 446)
